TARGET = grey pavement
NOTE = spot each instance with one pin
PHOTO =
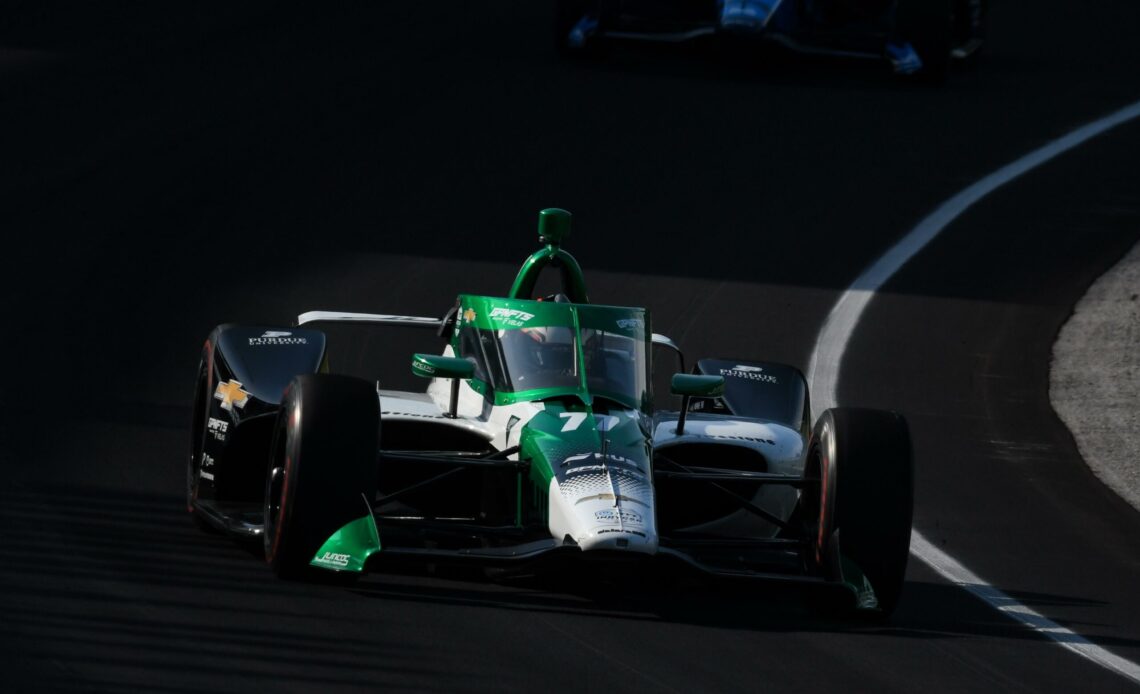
(1095, 379)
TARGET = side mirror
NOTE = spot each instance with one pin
(694, 385)
(436, 366)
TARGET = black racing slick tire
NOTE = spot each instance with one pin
(322, 468)
(866, 504)
(929, 26)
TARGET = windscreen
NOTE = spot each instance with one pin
(554, 349)
(514, 360)
(615, 345)
(615, 365)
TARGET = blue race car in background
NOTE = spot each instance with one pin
(916, 37)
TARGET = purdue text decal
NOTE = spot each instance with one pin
(749, 373)
(277, 337)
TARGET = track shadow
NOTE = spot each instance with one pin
(927, 610)
(116, 591)
(112, 583)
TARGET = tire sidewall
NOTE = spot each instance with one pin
(283, 456)
(197, 434)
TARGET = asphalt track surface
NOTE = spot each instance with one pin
(166, 170)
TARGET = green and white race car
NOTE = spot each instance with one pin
(536, 440)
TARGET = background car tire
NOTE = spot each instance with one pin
(322, 469)
(971, 24)
(866, 500)
(929, 26)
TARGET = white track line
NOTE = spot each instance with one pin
(953, 571)
(823, 372)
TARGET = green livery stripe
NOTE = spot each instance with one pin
(560, 432)
(496, 313)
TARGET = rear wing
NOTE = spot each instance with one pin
(369, 318)
(421, 322)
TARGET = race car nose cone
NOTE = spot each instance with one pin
(553, 225)
(604, 503)
(628, 539)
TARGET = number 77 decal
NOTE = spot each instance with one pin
(574, 420)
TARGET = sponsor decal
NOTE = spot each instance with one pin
(749, 373)
(587, 463)
(613, 515)
(631, 324)
(754, 439)
(207, 462)
(217, 428)
(414, 414)
(604, 531)
(232, 395)
(333, 559)
(608, 458)
(469, 315)
(277, 337)
(510, 316)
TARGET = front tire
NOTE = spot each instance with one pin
(866, 502)
(322, 469)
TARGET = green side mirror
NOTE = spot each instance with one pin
(696, 386)
(436, 366)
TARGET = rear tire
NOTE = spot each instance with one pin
(322, 469)
(929, 26)
(866, 501)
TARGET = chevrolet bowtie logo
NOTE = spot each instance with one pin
(231, 393)
(468, 316)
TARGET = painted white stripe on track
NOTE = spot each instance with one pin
(831, 345)
(950, 569)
